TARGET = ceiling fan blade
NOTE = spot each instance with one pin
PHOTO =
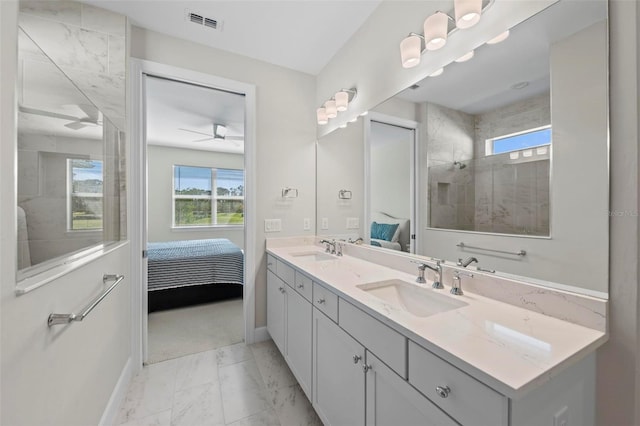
(203, 140)
(195, 131)
(76, 125)
(44, 113)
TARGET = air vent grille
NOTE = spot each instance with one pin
(414, 87)
(202, 20)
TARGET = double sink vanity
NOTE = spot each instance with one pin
(370, 345)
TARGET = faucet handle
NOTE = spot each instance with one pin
(421, 265)
(438, 261)
(457, 273)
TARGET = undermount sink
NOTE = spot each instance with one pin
(418, 301)
(316, 256)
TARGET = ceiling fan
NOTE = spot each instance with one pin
(92, 117)
(219, 133)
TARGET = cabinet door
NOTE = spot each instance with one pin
(392, 401)
(298, 338)
(338, 377)
(276, 293)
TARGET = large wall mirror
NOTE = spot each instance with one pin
(70, 146)
(504, 157)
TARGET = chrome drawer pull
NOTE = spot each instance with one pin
(321, 301)
(366, 368)
(356, 359)
(443, 391)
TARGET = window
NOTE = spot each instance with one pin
(85, 182)
(204, 196)
(517, 141)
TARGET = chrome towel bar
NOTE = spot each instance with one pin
(55, 319)
(515, 253)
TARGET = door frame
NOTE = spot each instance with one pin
(415, 154)
(138, 191)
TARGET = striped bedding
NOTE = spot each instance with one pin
(175, 264)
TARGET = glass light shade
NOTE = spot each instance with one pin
(437, 72)
(330, 107)
(435, 31)
(500, 37)
(467, 12)
(410, 51)
(364, 113)
(342, 101)
(354, 119)
(343, 125)
(465, 57)
(321, 115)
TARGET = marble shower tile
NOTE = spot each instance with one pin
(68, 12)
(293, 407)
(272, 366)
(196, 369)
(150, 392)
(117, 60)
(159, 419)
(263, 418)
(102, 20)
(233, 354)
(199, 405)
(243, 392)
(67, 45)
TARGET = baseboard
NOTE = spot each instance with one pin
(261, 334)
(110, 414)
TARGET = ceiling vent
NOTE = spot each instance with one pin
(202, 20)
(414, 87)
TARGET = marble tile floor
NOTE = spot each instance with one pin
(236, 385)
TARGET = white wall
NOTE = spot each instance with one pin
(63, 375)
(160, 162)
(285, 133)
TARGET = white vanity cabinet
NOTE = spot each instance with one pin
(338, 375)
(289, 322)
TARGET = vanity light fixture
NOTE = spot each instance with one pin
(364, 113)
(500, 37)
(338, 103)
(343, 126)
(437, 72)
(466, 57)
(410, 50)
(436, 28)
(354, 119)
(467, 12)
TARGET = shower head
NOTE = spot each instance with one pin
(459, 165)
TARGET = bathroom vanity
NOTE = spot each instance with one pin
(370, 346)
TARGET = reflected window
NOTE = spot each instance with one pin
(85, 183)
(196, 203)
(532, 138)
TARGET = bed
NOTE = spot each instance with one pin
(400, 238)
(182, 273)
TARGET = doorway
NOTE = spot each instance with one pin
(194, 216)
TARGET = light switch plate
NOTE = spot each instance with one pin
(306, 224)
(353, 223)
(325, 223)
(272, 225)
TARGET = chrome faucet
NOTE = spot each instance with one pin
(467, 262)
(437, 282)
(456, 286)
(331, 246)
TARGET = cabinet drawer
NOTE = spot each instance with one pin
(468, 401)
(383, 341)
(285, 272)
(271, 263)
(326, 301)
(304, 286)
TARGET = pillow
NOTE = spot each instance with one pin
(402, 233)
(383, 231)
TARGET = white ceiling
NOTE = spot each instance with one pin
(485, 82)
(299, 34)
(172, 106)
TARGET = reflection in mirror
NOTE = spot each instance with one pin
(505, 142)
(69, 167)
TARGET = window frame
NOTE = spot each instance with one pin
(70, 194)
(213, 199)
(489, 143)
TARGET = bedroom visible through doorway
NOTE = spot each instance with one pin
(195, 217)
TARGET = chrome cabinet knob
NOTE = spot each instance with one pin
(321, 301)
(366, 368)
(443, 391)
(356, 359)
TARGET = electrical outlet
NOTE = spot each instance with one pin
(561, 418)
(306, 224)
(353, 223)
(325, 223)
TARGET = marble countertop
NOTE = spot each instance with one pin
(507, 347)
